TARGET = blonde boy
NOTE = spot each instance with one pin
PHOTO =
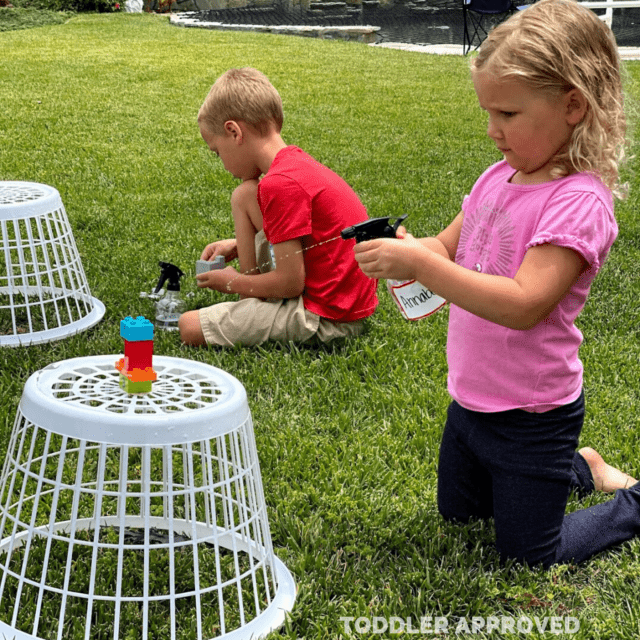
(291, 286)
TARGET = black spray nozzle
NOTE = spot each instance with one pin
(171, 273)
(371, 229)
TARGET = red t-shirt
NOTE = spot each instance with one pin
(301, 198)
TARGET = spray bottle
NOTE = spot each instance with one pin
(414, 300)
(170, 307)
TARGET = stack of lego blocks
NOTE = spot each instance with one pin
(136, 371)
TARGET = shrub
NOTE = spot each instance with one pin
(101, 6)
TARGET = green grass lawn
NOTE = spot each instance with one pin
(104, 109)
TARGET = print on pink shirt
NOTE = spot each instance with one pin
(486, 241)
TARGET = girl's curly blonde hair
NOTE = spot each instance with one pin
(556, 46)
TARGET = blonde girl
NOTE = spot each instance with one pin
(517, 264)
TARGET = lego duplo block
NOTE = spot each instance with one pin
(129, 386)
(138, 354)
(137, 329)
(202, 266)
(136, 371)
(136, 375)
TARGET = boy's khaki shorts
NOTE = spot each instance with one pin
(254, 321)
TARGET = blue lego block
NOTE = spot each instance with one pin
(136, 330)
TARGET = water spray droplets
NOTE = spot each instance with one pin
(303, 250)
(268, 263)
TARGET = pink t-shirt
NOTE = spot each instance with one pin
(301, 198)
(493, 368)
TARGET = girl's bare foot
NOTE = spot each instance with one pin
(605, 477)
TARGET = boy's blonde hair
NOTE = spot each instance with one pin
(242, 94)
(555, 46)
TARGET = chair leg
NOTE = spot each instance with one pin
(465, 34)
(475, 21)
(467, 39)
(471, 22)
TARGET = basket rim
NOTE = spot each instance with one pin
(56, 333)
(47, 201)
(268, 620)
(53, 400)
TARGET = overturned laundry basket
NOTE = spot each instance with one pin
(136, 515)
(44, 294)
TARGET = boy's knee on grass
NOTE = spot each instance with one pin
(245, 194)
(190, 329)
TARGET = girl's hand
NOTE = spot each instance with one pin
(388, 258)
(226, 248)
(218, 279)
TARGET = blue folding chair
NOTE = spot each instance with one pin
(476, 14)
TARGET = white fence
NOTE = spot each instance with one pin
(610, 5)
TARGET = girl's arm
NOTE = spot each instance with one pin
(445, 243)
(544, 277)
(286, 281)
(447, 239)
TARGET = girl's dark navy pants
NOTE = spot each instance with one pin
(519, 468)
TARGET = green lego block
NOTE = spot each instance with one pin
(135, 387)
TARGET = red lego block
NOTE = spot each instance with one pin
(138, 354)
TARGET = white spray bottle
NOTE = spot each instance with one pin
(171, 306)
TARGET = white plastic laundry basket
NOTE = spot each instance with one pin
(136, 516)
(44, 294)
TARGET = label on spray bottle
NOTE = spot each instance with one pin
(414, 300)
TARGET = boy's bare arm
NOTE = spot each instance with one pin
(286, 281)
